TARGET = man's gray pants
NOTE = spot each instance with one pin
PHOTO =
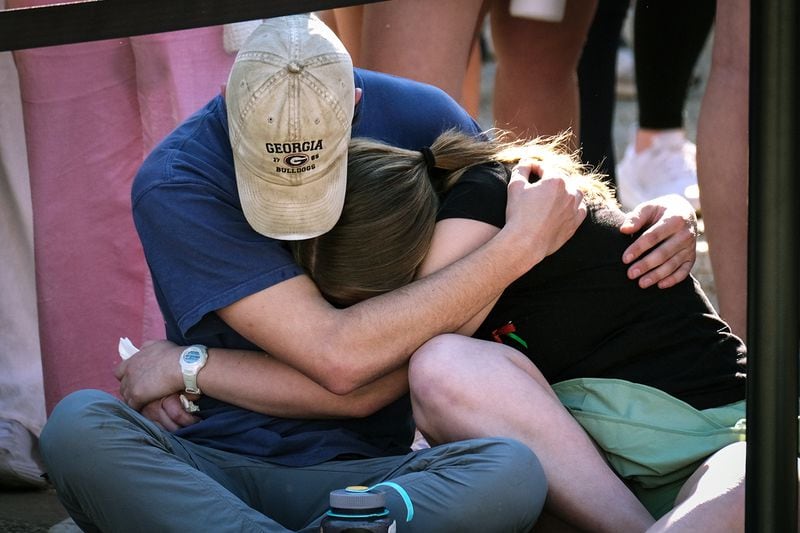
(116, 471)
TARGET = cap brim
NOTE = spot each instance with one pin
(293, 212)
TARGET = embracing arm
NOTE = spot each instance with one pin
(237, 377)
(343, 350)
(663, 255)
(454, 238)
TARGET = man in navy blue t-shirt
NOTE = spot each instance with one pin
(327, 408)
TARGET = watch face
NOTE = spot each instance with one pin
(191, 356)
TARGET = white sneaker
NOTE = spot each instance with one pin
(669, 166)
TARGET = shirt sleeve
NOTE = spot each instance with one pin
(202, 253)
(479, 195)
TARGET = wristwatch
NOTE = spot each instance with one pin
(192, 360)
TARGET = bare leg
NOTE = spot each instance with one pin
(471, 93)
(713, 497)
(421, 40)
(464, 388)
(346, 23)
(722, 158)
(712, 500)
(536, 85)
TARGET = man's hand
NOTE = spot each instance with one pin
(168, 413)
(150, 374)
(665, 253)
(548, 211)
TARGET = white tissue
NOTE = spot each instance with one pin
(126, 348)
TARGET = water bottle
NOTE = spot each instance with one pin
(357, 510)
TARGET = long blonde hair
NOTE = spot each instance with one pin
(389, 213)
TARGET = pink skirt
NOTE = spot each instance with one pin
(92, 112)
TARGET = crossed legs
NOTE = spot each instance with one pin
(463, 388)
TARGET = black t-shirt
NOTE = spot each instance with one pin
(581, 316)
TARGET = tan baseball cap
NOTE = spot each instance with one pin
(290, 100)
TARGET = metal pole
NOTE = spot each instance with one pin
(92, 20)
(771, 483)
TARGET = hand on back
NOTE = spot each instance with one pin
(544, 214)
(665, 252)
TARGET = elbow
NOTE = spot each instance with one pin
(342, 367)
(340, 381)
(340, 376)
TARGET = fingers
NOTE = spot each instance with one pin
(522, 171)
(128, 397)
(153, 412)
(119, 370)
(531, 171)
(666, 274)
(632, 223)
(677, 276)
(544, 214)
(667, 264)
(168, 413)
(675, 231)
(174, 410)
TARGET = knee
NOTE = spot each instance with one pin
(434, 368)
(437, 357)
(73, 425)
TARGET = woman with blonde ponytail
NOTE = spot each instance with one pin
(654, 376)
(393, 195)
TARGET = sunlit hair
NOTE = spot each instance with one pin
(391, 202)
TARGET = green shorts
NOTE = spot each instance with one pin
(653, 440)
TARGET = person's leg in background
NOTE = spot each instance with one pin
(422, 40)
(176, 74)
(722, 160)
(347, 23)
(84, 145)
(471, 91)
(660, 159)
(22, 412)
(90, 119)
(597, 78)
(536, 85)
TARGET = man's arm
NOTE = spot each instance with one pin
(238, 377)
(345, 349)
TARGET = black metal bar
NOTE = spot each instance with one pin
(771, 484)
(93, 20)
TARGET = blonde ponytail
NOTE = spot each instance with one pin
(390, 207)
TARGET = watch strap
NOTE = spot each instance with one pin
(190, 373)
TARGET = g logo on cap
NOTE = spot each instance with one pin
(296, 160)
